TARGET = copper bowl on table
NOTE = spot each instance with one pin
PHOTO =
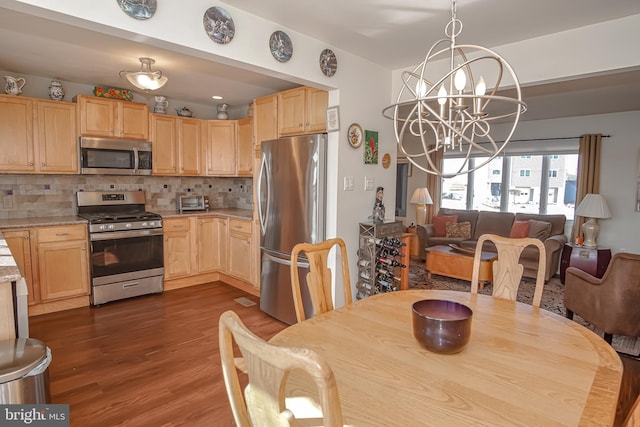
(441, 326)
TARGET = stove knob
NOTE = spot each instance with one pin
(145, 224)
(102, 227)
(128, 225)
(111, 226)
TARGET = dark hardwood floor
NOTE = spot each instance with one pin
(147, 361)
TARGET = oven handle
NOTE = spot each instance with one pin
(127, 234)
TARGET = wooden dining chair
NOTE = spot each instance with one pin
(268, 366)
(633, 419)
(507, 270)
(319, 276)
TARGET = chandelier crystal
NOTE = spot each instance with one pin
(144, 78)
(455, 111)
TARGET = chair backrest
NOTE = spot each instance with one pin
(633, 419)
(319, 276)
(507, 271)
(268, 366)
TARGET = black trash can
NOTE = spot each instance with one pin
(24, 371)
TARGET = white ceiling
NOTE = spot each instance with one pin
(395, 33)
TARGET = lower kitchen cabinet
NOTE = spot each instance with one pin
(177, 247)
(240, 249)
(211, 243)
(55, 263)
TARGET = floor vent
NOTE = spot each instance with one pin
(244, 301)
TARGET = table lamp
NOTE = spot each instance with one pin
(421, 198)
(592, 206)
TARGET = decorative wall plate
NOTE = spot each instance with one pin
(281, 46)
(138, 9)
(328, 62)
(113, 92)
(219, 25)
(355, 135)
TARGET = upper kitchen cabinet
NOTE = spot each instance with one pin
(221, 147)
(302, 110)
(265, 119)
(112, 118)
(245, 147)
(37, 136)
(177, 145)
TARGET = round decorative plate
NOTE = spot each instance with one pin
(219, 25)
(281, 46)
(138, 9)
(355, 135)
(328, 62)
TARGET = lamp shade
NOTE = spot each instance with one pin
(421, 196)
(593, 206)
(144, 78)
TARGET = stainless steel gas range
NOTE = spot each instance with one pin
(126, 245)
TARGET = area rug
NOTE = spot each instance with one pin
(552, 297)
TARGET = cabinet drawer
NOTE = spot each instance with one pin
(240, 226)
(176, 224)
(62, 234)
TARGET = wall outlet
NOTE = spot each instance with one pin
(368, 183)
(348, 183)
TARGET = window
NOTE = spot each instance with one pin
(402, 177)
(518, 183)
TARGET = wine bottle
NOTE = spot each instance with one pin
(392, 262)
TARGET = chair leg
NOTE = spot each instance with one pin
(569, 314)
(608, 338)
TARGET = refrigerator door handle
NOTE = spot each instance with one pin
(261, 213)
(284, 261)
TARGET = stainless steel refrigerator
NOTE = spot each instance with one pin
(291, 209)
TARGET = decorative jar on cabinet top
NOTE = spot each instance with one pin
(56, 90)
(13, 86)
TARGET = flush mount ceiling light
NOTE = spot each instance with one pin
(144, 78)
(444, 114)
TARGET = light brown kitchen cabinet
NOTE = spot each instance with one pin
(177, 247)
(240, 249)
(63, 262)
(112, 118)
(302, 110)
(245, 147)
(212, 244)
(37, 136)
(19, 242)
(55, 264)
(221, 147)
(265, 119)
(177, 145)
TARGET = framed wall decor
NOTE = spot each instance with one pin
(355, 135)
(333, 119)
(370, 147)
(138, 9)
(219, 25)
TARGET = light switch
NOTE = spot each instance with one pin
(368, 183)
(348, 183)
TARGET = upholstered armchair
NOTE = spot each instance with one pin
(611, 303)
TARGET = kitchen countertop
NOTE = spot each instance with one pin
(231, 213)
(9, 271)
(41, 221)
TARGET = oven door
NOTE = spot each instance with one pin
(122, 252)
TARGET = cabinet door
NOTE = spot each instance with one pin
(291, 114)
(239, 254)
(164, 140)
(56, 137)
(20, 246)
(245, 147)
(189, 146)
(212, 244)
(133, 120)
(177, 248)
(221, 147)
(316, 110)
(265, 119)
(97, 116)
(63, 269)
(16, 134)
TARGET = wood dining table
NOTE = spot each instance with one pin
(522, 366)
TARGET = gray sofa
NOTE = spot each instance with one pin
(500, 223)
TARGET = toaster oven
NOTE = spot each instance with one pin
(192, 203)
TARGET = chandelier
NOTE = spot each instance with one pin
(144, 78)
(455, 111)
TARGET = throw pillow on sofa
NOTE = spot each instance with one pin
(539, 229)
(440, 222)
(519, 229)
(458, 229)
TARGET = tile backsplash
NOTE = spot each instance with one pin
(25, 196)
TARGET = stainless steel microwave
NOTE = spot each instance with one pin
(105, 156)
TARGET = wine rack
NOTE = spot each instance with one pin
(381, 256)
